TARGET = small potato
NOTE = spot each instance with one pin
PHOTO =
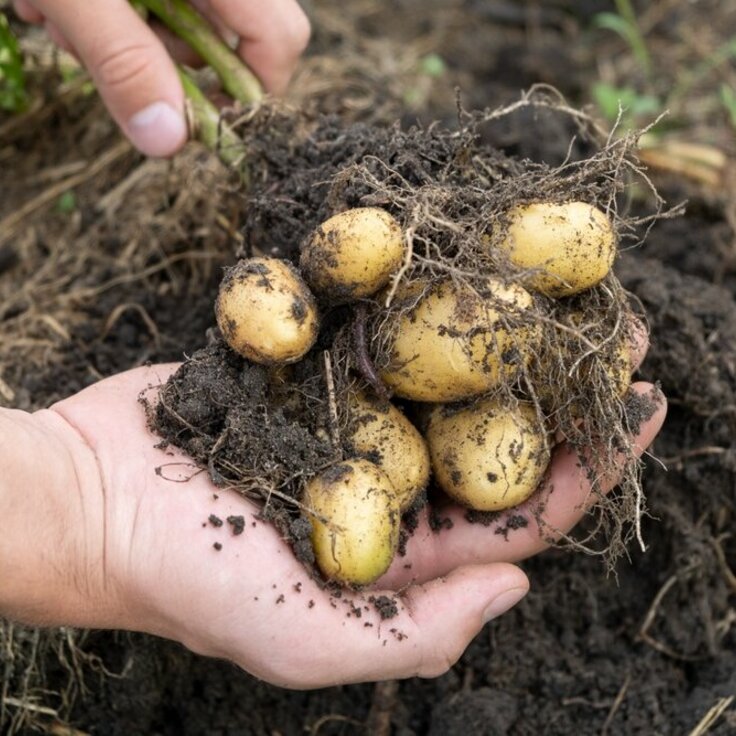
(490, 456)
(266, 312)
(572, 244)
(381, 432)
(359, 537)
(455, 343)
(353, 254)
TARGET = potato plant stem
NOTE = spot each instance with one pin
(187, 23)
(211, 129)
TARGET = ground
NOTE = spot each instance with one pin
(104, 256)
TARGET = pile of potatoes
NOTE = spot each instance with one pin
(453, 343)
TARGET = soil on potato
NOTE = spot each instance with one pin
(649, 651)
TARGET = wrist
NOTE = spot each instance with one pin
(53, 563)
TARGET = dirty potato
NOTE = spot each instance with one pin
(379, 431)
(568, 247)
(458, 342)
(355, 521)
(266, 312)
(489, 456)
(353, 254)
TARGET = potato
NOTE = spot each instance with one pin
(360, 533)
(381, 432)
(266, 312)
(353, 254)
(453, 344)
(490, 456)
(572, 244)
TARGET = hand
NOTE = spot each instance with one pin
(134, 72)
(137, 552)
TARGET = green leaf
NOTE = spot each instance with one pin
(633, 106)
(610, 98)
(67, 203)
(728, 98)
(433, 65)
(615, 23)
(13, 95)
(630, 33)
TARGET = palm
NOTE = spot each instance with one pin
(251, 600)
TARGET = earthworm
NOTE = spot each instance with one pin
(363, 359)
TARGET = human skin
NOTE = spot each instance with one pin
(95, 536)
(133, 67)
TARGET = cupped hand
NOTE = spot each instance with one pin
(133, 67)
(156, 562)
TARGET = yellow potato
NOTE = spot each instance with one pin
(353, 254)
(380, 431)
(455, 344)
(573, 245)
(266, 312)
(489, 456)
(360, 533)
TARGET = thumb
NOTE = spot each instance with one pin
(424, 636)
(130, 66)
(447, 613)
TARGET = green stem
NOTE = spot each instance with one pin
(211, 129)
(639, 45)
(187, 23)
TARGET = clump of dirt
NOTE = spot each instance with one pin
(217, 403)
(266, 431)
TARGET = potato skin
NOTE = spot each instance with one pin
(359, 540)
(489, 456)
(353, 254)
(380, 431)
(266, 312)
(573, 244)
(453, 345)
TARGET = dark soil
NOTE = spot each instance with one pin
(649, 650)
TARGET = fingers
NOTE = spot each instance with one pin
(58, 38)
(555, 508)
(130, 66)
(134, 72)
(27, 12)
(638, 341)
(273, 35)
(179, 50)
(433, 625)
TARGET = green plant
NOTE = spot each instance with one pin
(433, 65)
(728, 98)
(624, 104)
(67, 203)
(189, 25)
(624, 23)
(13, 95)
(239, 82)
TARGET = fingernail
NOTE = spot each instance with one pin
(157, 130)
(503, 602)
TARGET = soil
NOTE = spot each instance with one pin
(87, 293)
